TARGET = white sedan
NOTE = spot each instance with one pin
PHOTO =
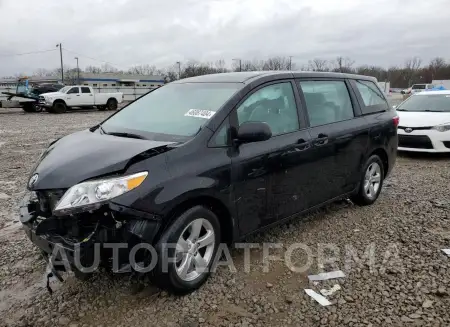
(425, 122)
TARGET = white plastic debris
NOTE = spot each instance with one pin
(446, 251)
(331, 291)
(327, 275)
(323, 301)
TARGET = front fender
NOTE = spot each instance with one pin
(189, 188)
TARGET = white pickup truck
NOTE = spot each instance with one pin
(79, 96)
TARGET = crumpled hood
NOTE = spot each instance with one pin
(84, 155)
(422, 119)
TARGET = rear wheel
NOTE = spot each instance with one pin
(371, 182)
(111, 104)
(183, 268)
(59, 107)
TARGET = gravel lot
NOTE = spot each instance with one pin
(407, 285)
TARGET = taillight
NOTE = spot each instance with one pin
(396, 120)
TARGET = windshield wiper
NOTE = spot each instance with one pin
(129, 135)
(101, 129)
(400, 109)
(428, 110)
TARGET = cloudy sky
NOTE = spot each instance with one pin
(161, 32)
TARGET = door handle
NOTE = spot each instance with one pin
(78, 95)
(302, 145)
(321, 139)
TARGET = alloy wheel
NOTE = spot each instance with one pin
(194, 249)
(372, 180)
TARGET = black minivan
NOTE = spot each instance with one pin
(209, 160)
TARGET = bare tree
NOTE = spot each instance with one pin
(93, 70)
(142, 70)
(436, 67)
(318, 65)
(107, 68)
(249, 65)
(220, 66)
(343, 65)
(278, 63)
(42, 72)
(412, 66)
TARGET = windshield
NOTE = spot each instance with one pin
(174, 109)
(431, 102)
(65, 89)
(21, 89)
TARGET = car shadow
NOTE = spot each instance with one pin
(424, 155)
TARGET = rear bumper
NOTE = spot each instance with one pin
(430, 141)
(113, 225)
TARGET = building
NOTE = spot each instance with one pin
(111, 80)
(95, 80)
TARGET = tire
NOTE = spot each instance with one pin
(59, 107)
(371, 182)
(169, 275)
(37, 108)
(28, 107)
(111, 104)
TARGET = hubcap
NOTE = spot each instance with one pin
(372, 180)
(194, 249)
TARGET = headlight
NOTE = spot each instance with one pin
(92, 194)
(442, 128)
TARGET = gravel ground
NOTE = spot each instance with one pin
(406, 285)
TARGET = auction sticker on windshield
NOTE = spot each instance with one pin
(199, 113)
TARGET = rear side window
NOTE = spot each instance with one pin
(372, 97)
(327, 102)
(85, 90)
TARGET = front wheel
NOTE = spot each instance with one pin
(371, 182)
(29, 107)
(59, 107)
(187, 250)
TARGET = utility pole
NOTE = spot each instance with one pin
(179, 69)
(62, 66)
(290, 62)
(240, 64)
(78, 71)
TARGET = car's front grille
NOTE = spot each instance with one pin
(415, 141)
(423, 128)
(48, 199)
(447, 144)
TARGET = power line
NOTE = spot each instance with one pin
(26, 53)
(89, 57)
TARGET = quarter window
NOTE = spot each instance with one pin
(274, 105)
(372, 97)
(327, 102)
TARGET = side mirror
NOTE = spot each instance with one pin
(253, 132)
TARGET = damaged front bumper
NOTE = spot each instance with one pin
(86, 235)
